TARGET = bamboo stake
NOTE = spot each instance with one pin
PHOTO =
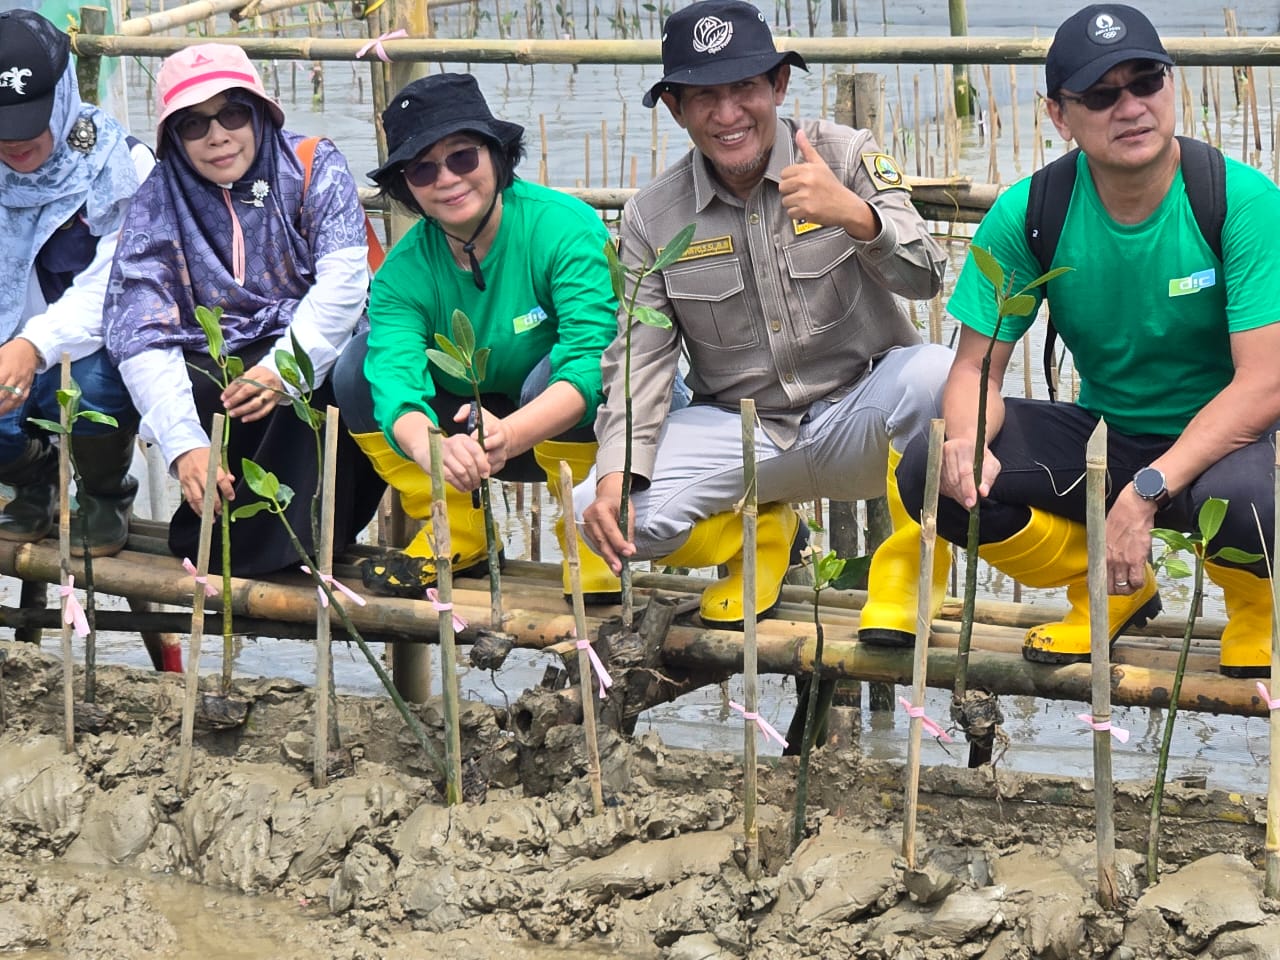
(1108, 893)
(924, 619)
(604, 153)
(1271, 885)
(1253, 109)
(580, 633)
(750, 516)
(543, 169)
(993, 121)
(64, 558)
(1013, 115)
(324, 616)
(1217, 109)
(192, 690)
(915, 123)
(653, 144)
(448, 650)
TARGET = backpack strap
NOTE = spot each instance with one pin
(1047, 203)
(306, 151)
(1204, 174)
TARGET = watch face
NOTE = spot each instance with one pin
(1149, 483)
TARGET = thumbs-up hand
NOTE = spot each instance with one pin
(811, 192)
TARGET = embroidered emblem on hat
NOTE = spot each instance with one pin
(711, 35)
(1107, 28)
(15, 79)
(884, 172)
(200, 60)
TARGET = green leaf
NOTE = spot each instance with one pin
(652, 318)
(855, 572)
(617, 272)
(303, 411)
(262, 482)
(989, 266)
(674, 250)
(1046, 277)
(829, 568)
(1236, 555)
(448, 364)
(463, 334)
(95, 416)
(205, 373)
(1175, 540)
(48, 425)
(1176, 567)
(1212, 513)
(289, 370)
(249, 510)
(304, 362)
(285, 496)
(235, 369)
(447, 345)
(1019, 306)
(480, 363)
(211, 323)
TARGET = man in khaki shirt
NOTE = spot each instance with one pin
(805, 231)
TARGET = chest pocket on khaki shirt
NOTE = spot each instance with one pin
(826, 285)
(708, 298)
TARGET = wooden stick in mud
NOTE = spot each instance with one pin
(585, 673)
(444, 604)
(1100, 659)
(64, 559)
(1271, 885)
(192, 691)
(1013, 114)
(544, 172)
(324, 621)
(750, 515)
(924, 619)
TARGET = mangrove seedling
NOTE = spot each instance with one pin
(1208, 523)
(635, 313)
(69, 401)
(977, 712)
(460, 359)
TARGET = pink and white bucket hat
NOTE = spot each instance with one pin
(202, 71)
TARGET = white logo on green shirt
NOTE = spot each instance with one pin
(530, 320)
(1193, 284)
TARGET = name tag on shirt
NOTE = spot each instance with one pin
(714, 247)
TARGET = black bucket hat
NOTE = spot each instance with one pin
(430, 109)
(1093, 40)
(717, 41)
(33, 57)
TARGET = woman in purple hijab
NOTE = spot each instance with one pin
(228, 219)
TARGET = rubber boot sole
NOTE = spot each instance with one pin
(404, 576)
(1140, 617)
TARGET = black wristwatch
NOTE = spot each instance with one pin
(1148, 483)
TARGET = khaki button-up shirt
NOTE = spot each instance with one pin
(784, 312)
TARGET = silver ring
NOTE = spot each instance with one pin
(1122, 583)
(17, 391)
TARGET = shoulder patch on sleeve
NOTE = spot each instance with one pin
(884, 172)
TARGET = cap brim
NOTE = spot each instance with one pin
(26, 121)
(500, 130)
(723, 71)
(1086, 77)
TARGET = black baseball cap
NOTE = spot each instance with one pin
(430, 109)
(1093, 40)
(33, 57)
(717, 41)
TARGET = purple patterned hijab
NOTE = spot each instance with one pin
(175, 249)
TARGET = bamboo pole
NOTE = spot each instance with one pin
(1271, 885)
(324, 616)
(64, 556)
(448, 651)
(750, 515)
(924, 615)
(581, 635)
(1108, 892)
(191, 692)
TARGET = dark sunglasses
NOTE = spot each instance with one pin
(192, 126)
(423, 173)
(1104, 98)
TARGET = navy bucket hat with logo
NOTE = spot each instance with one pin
(1093, 40)
(717, 41)
(33, 57)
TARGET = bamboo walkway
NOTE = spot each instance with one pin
(539, 618)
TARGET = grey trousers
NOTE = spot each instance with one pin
(841, 452)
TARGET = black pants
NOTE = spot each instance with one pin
(1041, 449)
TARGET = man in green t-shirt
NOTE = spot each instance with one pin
(1174, 347)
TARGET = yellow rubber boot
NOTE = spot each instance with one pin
(408, 572)
(717, 541)
(599, 585)
(1051, 551)
(893, 584)
(1246, 641)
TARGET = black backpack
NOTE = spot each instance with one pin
(1204, 173)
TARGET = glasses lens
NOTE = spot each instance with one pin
(1104, 98)
(423, 173)
(234, 116)
(193, 126)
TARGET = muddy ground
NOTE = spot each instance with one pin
(375, 866)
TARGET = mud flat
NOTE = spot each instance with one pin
(102, 857)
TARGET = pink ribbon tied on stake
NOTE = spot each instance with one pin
(72, 612)
(765, 726)
(1273, 703)
(1120, 733)
(459, 624)
(928, 723)
(337, 585)
(376, 45)
(597, 665)
(209, 590)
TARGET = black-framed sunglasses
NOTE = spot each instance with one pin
(1105, 97)
(423, 173)
(192, 126)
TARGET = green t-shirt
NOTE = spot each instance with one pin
(1147, 309)
(547, 292)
